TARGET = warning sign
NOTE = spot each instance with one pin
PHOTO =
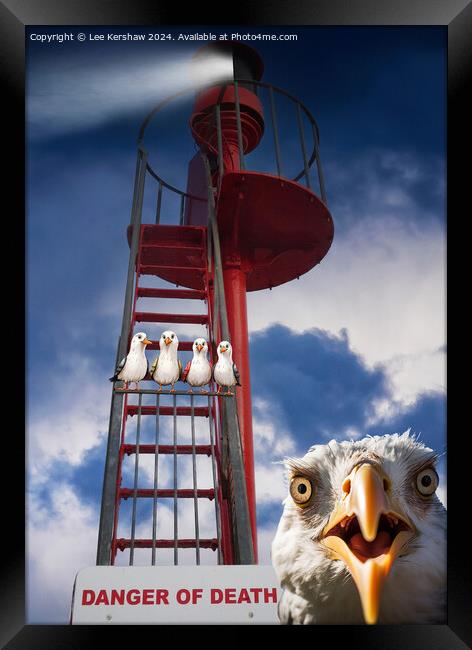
(176, 594)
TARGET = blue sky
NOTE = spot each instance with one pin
(363, 340)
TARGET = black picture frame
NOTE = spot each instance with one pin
(456, 15)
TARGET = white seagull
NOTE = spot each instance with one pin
(197, 372)
(362, 535)
(166, 368)
(225, 372)
(134, 366)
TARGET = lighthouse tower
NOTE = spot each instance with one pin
(179, 474)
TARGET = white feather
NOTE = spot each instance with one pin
(136, 366)
(200, 369)
(167, 369)
(224, 374)
(318, 589)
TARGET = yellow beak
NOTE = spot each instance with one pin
(168, 340)
(199, 347)
(367, 532)
(147, 342)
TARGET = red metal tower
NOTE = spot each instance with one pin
(239, 230)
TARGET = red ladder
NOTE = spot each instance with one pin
(177, 254)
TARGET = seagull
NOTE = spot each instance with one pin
(166, 368)
(197, 372)
(134, 366)
(225, 372)
(362, 537)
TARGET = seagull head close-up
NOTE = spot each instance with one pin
(362, 534)
(169, 341)
(140, 339)
(224, 348)
(200, 346)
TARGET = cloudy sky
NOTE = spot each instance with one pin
(361, 337)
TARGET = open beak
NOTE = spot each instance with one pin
(168, 340)
(199, 347)
(367, 532)
(147, 342)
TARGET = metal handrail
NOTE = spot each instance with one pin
(117, 401)
(300, 107)
(242, 532)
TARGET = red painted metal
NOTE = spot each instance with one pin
(183, 294)
(235, 291)
(278, 229)
(170, 235)
(196, 212)
(198, 411)
(153, 317)
(236, 263)
(204, 450)
(205, 101)
(203, 125)
(123, 544)
(163, 271)
(119, 478)
(164, 493)
(272, 230)
(173, 253)
(185, 346)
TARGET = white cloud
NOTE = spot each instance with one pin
(270, 437)
(384, 282)
(270, 484)
(442, 492)
(61, 540)
(265, 535)
(72, 421)
(415, 373)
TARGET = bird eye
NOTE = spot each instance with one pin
(171, 336)
(301, 490)
(427, 481)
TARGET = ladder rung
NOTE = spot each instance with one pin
(151, 317)
(122, 543)
(185, 294)
(170, 245)
(165, 493)
(164, 233)
(185, 346)
(204, 450)
(198, 411)
(155, 269)
(194, 235)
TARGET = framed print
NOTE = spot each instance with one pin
(235, 342)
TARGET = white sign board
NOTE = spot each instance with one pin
(176, 594)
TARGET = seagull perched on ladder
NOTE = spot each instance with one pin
(197, 372)
(134, 366)
(362, 537)
(225, 372)
(166, 368)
